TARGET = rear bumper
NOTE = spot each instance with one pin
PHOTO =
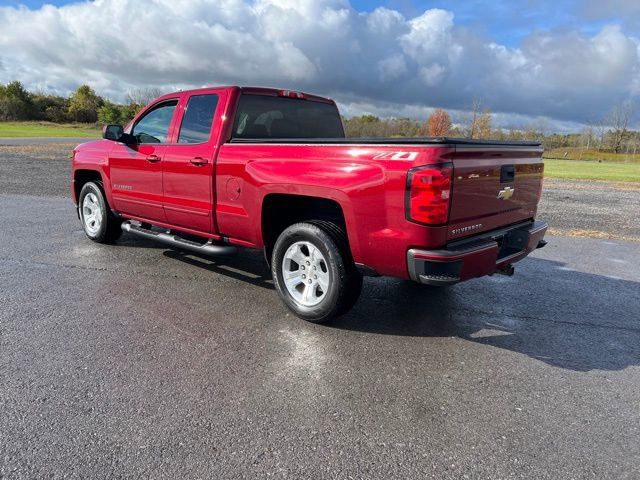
(477, 256)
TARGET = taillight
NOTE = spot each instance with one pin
(428, 194)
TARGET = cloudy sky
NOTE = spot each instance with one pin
(566, 61)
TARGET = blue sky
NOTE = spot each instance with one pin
(510, 21)
(563, 62)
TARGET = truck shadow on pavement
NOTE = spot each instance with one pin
(248, 267)
(565, 318)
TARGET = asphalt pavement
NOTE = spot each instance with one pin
(133, 360)
(5, 141)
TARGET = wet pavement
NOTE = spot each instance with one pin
(134, 360)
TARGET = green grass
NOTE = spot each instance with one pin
(46, 129)
(573, 153)
(593, 166)
(591, 170)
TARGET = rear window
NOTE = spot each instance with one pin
(261, 116)
(198, 116)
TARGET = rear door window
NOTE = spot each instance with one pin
(263, 116)
(197, 119)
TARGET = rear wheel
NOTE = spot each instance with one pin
(98, 223)
(313, 271)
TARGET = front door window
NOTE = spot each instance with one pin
(153, 127)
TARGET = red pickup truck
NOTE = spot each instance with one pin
(214, 169)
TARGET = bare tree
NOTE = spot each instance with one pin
(480, 126)
(141, 97)
(439, 123)
(599, 132)
(619, 119)
(586, 139)
(587, 136)
(514, 134)
(536, 130)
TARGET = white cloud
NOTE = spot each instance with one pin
(322, 46)
(432, 74)
(429, 35)
(383, 21)
(392, 67)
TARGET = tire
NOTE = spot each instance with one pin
(98, 223)
(313, 271)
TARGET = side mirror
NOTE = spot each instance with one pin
(112, 132)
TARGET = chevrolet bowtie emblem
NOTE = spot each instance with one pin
(506, 193)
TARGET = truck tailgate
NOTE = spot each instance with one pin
(493, 186)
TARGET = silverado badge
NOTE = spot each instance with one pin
(506, 193)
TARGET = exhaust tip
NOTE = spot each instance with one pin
(507, 270)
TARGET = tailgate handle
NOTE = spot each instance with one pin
(507, 173)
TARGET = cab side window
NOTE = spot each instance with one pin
(197, 120)
(153, 127)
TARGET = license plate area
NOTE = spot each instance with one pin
(511, 242)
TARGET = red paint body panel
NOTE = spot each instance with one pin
(223, 196)
(477, 181)
(371, 193)
(189, 188)
(136, 183)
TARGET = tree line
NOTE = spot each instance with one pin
(612, 133)
(82, 106)
(477, 125)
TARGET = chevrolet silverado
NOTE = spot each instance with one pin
(215, 169)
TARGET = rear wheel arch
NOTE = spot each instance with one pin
(280, 211)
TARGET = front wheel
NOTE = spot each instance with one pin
(98, 223)
(313, 271)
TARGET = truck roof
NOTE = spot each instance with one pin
(254, 91)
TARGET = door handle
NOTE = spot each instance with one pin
(199, 161)
(153, 158)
